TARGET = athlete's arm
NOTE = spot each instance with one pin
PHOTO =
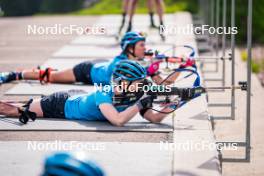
(118, 118)
(156, 117)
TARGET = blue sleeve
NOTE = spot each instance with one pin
(113, 64)
(102, 97)
(111, 69)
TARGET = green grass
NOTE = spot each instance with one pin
(256, 65)
(115, 7)
(244, 56)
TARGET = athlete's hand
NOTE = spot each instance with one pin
(188, 63)
(153, 68)
(145, 103)
(188, 94)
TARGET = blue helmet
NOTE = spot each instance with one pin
(67, 164)
(128, 70)
(131, 38)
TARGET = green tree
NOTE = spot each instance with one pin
(20, 7)
(61, 6)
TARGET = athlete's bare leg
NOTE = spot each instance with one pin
(11, 109)
(160, 10)
(63, 76)
(131, 12)
(125, 6)
(150, 5)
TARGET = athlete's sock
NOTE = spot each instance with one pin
(6, 77)
(122, 22)
(19, 75)
(124, 15)
(161, 22)
(151, 20)
(129, 28)
(123, 18)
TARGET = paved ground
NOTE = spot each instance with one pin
(229, 130)
(116, 158)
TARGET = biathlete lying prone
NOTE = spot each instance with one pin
(98, 105)
(133, 48)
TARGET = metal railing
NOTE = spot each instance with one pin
(209, 13)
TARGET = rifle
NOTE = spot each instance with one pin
(165, 95)
(184, 61)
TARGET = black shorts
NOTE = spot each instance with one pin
(53, 105)
(82, 72)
